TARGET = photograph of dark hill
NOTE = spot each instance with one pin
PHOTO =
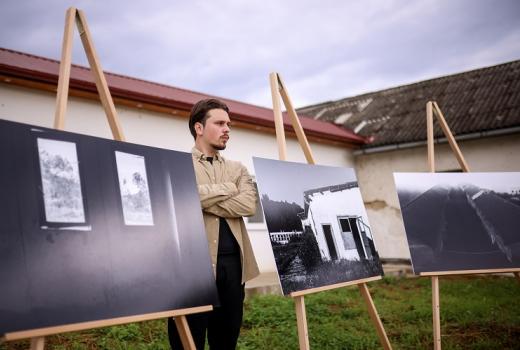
(317, 224)
(93, 229)
(461, 221)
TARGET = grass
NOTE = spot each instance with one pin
(332, 272)
(476, 313)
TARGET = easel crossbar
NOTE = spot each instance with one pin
(334, 286)
(469, 272)
(42, 332)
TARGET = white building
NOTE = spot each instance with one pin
(337, 217)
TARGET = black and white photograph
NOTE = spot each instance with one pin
(317, 223)
(133, 185)
(145, 249)
(61, 184)
(461, 221)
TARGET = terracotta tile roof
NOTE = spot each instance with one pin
(26, 66)
(479, 100)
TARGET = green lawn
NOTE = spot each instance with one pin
(476, 313)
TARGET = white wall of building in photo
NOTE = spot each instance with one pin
(339, 221)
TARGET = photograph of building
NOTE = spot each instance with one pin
(461, 221)
(317, 224)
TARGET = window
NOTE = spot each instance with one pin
(346, 234)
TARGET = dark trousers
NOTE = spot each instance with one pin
(223, 323)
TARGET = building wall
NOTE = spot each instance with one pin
(144, 127)
(375, 177)
(326, 208)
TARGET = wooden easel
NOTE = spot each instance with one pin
(278, 90)
(432, 108)
(37, 336)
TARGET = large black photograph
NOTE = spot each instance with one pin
(93, 229)
(461, 221)
(317, 224)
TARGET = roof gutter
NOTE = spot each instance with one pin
(463, 137)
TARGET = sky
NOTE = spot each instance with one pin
(324, 50)
(286, 181)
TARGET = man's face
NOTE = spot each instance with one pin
(215, 132)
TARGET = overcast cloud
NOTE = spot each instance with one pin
(324, 50)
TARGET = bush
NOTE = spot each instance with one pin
(309, 252)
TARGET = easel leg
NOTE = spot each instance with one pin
(37, 343)
(517, 275)
(301, 319)
(436, 312)
(383, 338)
(65, 65)
(184, 332)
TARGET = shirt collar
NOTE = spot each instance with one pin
(201, 157)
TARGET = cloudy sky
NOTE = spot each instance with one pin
(286, 181)
(324, 50)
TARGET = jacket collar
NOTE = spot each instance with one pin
(196, 154)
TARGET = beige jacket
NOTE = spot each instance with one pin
(226, 190)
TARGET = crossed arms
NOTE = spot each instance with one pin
(229, 199)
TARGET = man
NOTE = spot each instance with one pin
(227, 193)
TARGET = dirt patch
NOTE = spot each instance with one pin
(505, 337)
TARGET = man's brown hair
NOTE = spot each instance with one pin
(199, 112)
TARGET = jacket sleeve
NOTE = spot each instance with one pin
(211, 194)
(242, 203)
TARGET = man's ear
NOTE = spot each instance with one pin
(199, 128)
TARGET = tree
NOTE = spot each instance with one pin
(281, 216)
(309, 252)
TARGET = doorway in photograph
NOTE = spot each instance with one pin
(354, 237)
(327, 231)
